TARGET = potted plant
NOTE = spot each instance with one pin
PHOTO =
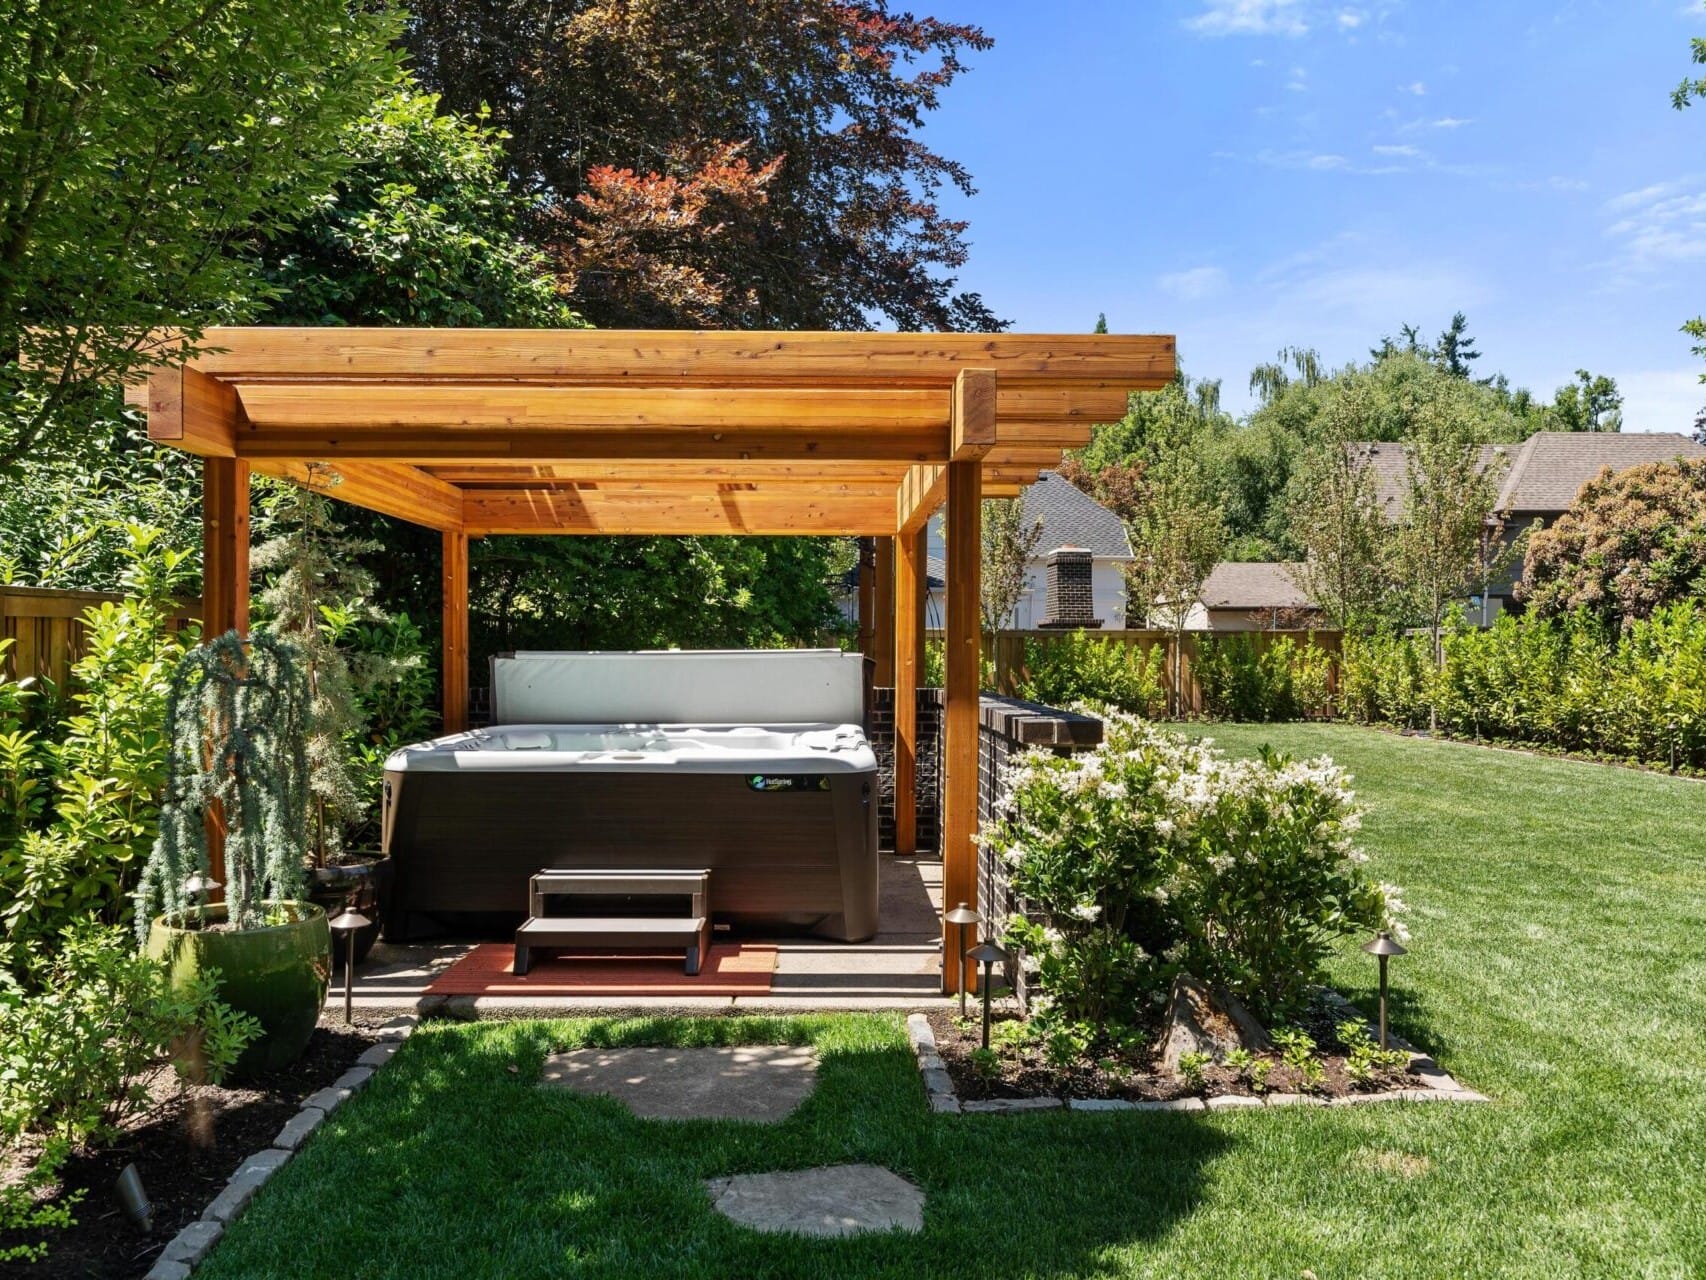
(236, 717)
(319, 599)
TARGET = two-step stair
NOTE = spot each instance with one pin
(691, 932)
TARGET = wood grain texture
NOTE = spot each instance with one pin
(191, 411)
(963, 635)
(911, 587)
(1115, 362)
(393, 489)
(454, 645)
(575, 511)
(883, 614)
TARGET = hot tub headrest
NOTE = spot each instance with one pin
(688, 686)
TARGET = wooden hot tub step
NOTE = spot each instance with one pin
(691, 932)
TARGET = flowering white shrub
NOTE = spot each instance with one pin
(1152, 854)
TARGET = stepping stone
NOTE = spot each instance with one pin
(748, 1082)
(840, 1200)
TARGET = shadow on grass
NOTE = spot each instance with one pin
(454, 1164)
(1410, 1013)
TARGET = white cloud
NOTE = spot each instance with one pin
(1299, 81)
(1351, 19)
(1195, 285)
(1250, 18)
(1659, 226)
(1661, 399)
(1415, 87)
(1451, 122)
(1405, 151)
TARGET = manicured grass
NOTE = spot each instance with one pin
(1559, 912)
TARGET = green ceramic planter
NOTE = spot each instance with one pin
(277, 974)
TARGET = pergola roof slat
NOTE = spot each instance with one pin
(608, 431)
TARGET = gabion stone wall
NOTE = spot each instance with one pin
(1008, 727)
(881, 733)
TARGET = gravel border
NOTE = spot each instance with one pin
(186, 1250)
(1437, 1084)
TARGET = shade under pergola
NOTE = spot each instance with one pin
(484, 431)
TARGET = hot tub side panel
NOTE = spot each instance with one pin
(467, 842)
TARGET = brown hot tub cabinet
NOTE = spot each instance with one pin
(631, 761)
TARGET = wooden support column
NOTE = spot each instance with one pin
(224, 593)
(454, 647)
(911, 582)
(963, 634)
(883, 603)
(973, 429)
(224, 547)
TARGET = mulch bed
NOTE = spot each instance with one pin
(185, 1149)
(1025, 1073)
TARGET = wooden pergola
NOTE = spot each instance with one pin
(480, 431)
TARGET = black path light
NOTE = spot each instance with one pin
(988, 955)
(346, 924)
(960, 917)
(133, 1200)
(1385, 946)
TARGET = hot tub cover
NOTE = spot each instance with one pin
(693, 686)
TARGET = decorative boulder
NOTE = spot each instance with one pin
(1211, 1022)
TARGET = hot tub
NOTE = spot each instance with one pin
(596, 773)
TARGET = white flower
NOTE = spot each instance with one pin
(1087, 911)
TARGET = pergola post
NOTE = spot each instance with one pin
(883, 606)
(454, 649)
(224, 594)
(911, 581)
(972, 425)
(224, 547)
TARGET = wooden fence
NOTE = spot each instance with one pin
(1007, 651)
(47, 632)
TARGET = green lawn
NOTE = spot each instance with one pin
(1559, 912)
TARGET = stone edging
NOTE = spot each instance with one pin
(186, 1250)
(1438, 1086)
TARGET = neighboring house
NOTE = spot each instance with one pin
(1544, 475)
(1261, 595)
(1070, 518)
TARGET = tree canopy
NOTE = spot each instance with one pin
(1631, 542)
(753, 165)
(141, 143)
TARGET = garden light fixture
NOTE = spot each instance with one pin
(988, 955)
(1385, 946)
(200, 886)
(347, 923)
(960, 917)
(134, 1200)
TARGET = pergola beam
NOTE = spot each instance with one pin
(475, 447)
(576, 511)
(189, 410)
(638, 358)
(407, 493)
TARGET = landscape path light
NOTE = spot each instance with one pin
(346, 925)
(1385, 946)
(134, 1200)
(960, 917)
(988, 955)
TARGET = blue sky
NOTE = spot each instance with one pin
(1250, 174)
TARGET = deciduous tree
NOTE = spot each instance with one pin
(140, 144)
(1009, 541)
(756, 163)
(1336, 512)
(1631, 542)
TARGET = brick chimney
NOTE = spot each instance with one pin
(1071, 596)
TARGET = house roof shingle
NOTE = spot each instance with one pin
(1072, 518)
(1546, 471)
(1260, 584)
